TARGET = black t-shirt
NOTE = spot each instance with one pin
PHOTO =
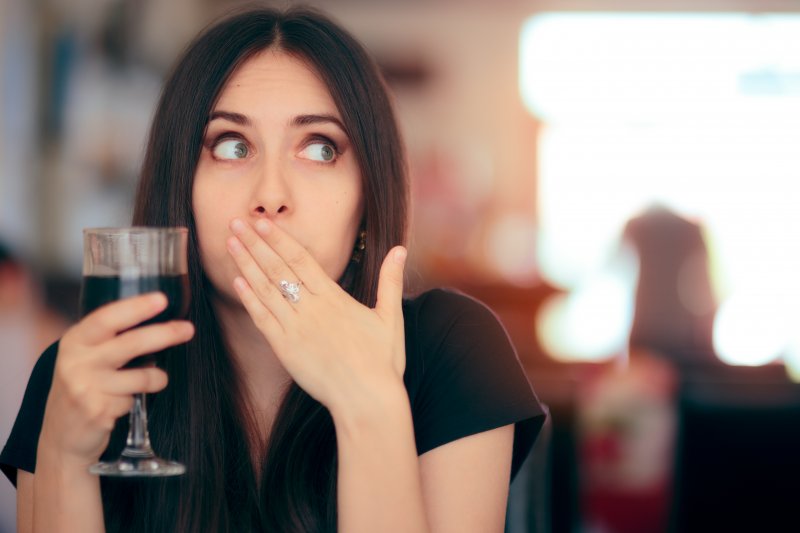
(462, 375)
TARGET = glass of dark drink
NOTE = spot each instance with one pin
(123, 262)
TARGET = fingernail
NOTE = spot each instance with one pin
(239, 283)
(262, 226)
(400, 256)
(234, 245)
(237, 226)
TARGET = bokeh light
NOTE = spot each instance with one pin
(753, 327)
(511, 248)
(591, 323)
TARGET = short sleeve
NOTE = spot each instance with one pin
(20, 450)
(470, 379)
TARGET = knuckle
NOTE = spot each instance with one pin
(78, 391)
(261, 315)
(94, 411)
(64, 369)
(107, 423)
(125, 405)
(297, 259)
(118, 409)
(265, 287)
(274, 272)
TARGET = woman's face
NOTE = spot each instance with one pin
(275, 148)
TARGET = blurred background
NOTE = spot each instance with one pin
(616, 179)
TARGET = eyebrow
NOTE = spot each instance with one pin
(298, 121)
(307, 120)
(237, 118)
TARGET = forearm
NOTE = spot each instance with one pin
(379, 486)
(66, 497)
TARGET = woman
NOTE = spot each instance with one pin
(338, 405)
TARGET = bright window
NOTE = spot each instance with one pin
(697, 112)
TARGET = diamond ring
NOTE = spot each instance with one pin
(290, 291)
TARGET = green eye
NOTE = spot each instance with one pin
(319, 151)
(231, 149)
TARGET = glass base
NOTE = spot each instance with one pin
(138, 467)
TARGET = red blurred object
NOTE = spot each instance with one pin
(635, 511)
(627, 421)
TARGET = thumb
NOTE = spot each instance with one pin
(390, 283)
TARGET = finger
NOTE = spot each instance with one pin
(105, 322)
(117, 406)
(262, 317)
(275, 268)
(124, 382)
(390, 284)
(295, 255)
(145, 340)
(268, 259)
(262, 286)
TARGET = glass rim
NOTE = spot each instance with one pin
(131, 230)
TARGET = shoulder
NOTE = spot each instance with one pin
(434, 314)
(443, 299)
(20, 449)
(463, 374)
(447, 327)
(455, 345)
(47, 360)
(42, 374)
(40, 380)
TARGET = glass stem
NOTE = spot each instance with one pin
(138, 443)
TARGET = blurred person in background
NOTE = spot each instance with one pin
(628, 412)
(27, 326)
(675, 304)
(336, 405)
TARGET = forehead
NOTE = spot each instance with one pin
(276, 80)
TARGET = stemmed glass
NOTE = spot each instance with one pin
(123, 262)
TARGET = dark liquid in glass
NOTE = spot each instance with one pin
(100, 290)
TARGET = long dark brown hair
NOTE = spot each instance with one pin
(202, 418)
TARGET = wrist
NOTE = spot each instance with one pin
(66, 497)
(368, 409)
(48, 452)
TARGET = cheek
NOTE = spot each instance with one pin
(209, 204)
(211, 227)
(202, 212)
(337, 249)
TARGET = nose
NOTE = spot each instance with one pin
(271, 195)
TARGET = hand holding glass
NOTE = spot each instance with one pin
(123, 262)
